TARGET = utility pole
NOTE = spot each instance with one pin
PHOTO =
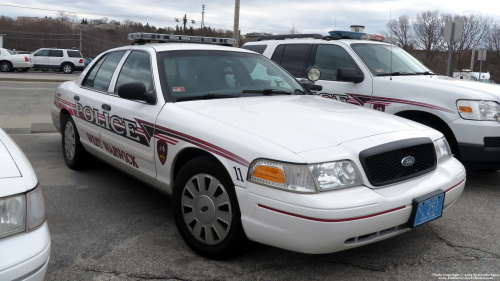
(185, 21)
(450, 51)
(472, 56)
(236, 32)
(80, 41)
(202, 15)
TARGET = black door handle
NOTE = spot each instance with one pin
(76, 97)
(106, 106)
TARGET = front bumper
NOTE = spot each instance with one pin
(25, 255)
(480, 157)
(470, 136)
(338, 220)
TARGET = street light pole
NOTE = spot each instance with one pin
(236, 32)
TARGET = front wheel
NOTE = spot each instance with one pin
(67, 68)
(206, 209)
(75, 155)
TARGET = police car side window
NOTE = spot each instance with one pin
(278, 53)
(137, 68)
(100, 75)
(295, 58)
(256, 48)
(329, 58)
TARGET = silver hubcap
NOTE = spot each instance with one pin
(5, 67)
(67, 68)
(69, 141)
(206, 209)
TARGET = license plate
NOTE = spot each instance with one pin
(427, 208)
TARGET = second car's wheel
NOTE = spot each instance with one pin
(75, 155)
(206, 209)
(6, 66)
(67, 68)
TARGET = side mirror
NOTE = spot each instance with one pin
(310, 85)
(313, 73)
(136, 91)
(349, 75)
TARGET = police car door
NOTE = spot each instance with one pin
(328, 58)
(128, 143)
(89, 98)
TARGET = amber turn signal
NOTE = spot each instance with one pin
(269, 173)
(466, 109)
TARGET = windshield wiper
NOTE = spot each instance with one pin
(208, 97)
(397, 73)
(267, 92)
(425, 73)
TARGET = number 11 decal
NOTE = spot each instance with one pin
(238, 177)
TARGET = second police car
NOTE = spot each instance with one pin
(246, 151)
(383, 77)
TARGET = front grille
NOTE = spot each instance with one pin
(491, 141)
(382, 164)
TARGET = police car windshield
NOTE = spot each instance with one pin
(378, 59)
(185, 75)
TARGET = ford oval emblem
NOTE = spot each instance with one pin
(408, 161)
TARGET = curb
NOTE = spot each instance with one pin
(35, 80)
(37, 128)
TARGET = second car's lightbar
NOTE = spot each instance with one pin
(142, 37)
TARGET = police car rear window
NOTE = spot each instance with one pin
(256, 48)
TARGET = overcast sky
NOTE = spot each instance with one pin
(276, 16)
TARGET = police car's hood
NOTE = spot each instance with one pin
(299, 123)
(448, 86)
(16, 173)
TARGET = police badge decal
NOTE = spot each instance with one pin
(162, 147)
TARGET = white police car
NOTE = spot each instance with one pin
(375, 75)
(24, 234)
(248, 152)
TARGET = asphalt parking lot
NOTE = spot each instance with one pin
(107, 226)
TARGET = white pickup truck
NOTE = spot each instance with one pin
(384, 77)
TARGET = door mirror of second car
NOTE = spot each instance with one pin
(136, 91)
(349, 75)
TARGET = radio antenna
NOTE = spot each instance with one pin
(390, 19)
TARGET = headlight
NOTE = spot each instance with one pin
(443, 150)
(304, 178)
(36, 208)
(12, 215)
(479, 110)
(22, 212)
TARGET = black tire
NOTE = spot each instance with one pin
(224, 205)
(67, 68)
(75, 155)
(6, 66)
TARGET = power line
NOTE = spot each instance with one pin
(132, 17)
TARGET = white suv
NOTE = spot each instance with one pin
(245, 150)
(63, 60)
(360, 72)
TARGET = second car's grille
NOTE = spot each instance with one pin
(383, 165)
(491, 141)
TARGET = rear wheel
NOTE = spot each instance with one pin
(67, 68)
(75, 155)
(206, 209)
(6, 66)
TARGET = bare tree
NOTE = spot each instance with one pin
(401, 32)
(293, 30)
(428, 30)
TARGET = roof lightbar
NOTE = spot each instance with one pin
(288, 36)
(141, 38)
(338, 34)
